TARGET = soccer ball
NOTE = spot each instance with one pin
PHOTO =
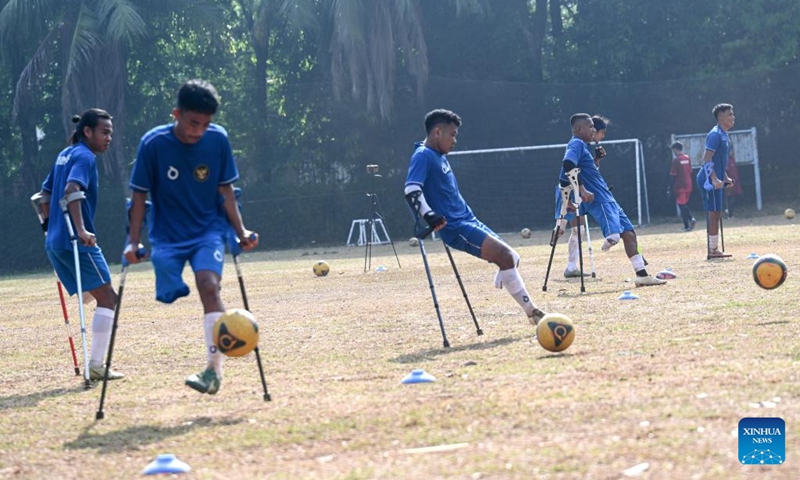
(236, 333)
(555, 332)
(769, 271)
(321, 268)
(789, 213)
(413, 242)
(526, 233)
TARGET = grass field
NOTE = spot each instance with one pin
(663, 380)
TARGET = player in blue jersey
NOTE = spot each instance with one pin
(572, 270)
(74, 177)
(712, 177)
(580, 172)
(432, 189)
(188, 169)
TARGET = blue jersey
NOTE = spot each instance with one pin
(578, 153)
(76, 164)
(717, 141)
(183, 182)
(431, 171)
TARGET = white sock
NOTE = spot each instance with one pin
(713, 241)
(214, 356)
(516, 287)
(613, 238)
(638, 262)
(572, 257)
(102, 323)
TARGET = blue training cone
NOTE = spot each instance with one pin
(166, 463)
(418, 376)
(627, 295)
(753, 255)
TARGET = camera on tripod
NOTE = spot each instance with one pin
(372, 169)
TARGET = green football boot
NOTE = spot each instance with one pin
(205, 382)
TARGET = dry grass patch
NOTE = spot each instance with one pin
(664, 379)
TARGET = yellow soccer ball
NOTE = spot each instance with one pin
(555, 332)
(789, 213)
(236, 333)
(321, 268)
(769, 271)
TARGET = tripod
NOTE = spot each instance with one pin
(377, 213)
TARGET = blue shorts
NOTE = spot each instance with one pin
(570, 213)
(611, 218)
(466, 235)
(168, 262)
(94, 269)
(712, 200)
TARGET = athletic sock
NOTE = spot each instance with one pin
(638, 265)
(713, 242)
(572, 257)
(514, 284)
(102, 323)
(214, 356)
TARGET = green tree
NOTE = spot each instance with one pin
(84, 43)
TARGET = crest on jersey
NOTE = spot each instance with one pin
(445, 166)
(201, 173)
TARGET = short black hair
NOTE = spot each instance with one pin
(722, 107)
(439, 116)
(677, 146)
(600, 122)
(90, 118)
(578, 117)
(198, 96)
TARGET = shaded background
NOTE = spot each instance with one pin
(315, 90)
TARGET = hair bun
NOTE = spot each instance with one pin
(76, 118)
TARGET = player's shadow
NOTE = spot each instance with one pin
(33, 399)
(431, 354)
(133, 438)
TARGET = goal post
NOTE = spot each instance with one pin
(745, 151)
(514, 187)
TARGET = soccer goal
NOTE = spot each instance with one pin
(745, 152)
(512, 188)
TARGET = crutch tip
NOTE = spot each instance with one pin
(99, 416)
(267, 398)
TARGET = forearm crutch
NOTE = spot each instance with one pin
(235, 248)
(589, 243)
(64, 204)
(36, 201)
(558, 230)
(125, 264)
(580, 249)
(463, 290)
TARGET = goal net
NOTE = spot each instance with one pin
(745, 152)
(513, 188)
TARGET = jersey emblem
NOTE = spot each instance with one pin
(201, 173)
(445, 166)
(172, 173)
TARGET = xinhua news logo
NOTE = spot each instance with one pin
(762, 441)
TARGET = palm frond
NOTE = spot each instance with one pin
(83, 41)
(36, 67)
(122, 20)
(21, 19)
